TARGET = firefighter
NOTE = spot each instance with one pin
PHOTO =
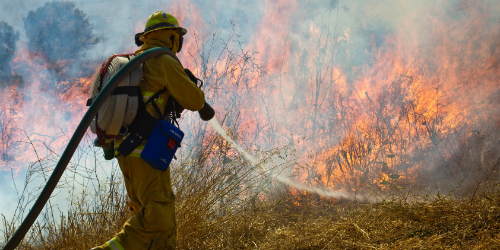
(153, 224)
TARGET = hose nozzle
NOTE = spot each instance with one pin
(207, 112)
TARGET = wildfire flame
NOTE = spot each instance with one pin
(425, 92)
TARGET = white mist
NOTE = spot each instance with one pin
(283, 179)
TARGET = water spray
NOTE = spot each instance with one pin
(283, 179)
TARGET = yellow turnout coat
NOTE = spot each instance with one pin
(153, 226)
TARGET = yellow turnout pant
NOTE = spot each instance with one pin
(153, 225)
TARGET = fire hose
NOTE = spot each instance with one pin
(75, 140)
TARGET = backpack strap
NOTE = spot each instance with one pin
(173, 110)
(129, 90)
(142, 125)
(151, 100)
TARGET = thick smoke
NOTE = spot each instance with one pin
(8, 39)
(59, 31)
(313, 40)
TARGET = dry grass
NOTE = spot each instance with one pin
(423, 223)
(215, 211)
(224, 203)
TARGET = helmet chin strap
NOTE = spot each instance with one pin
(181, 41)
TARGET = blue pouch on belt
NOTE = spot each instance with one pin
(162, 145)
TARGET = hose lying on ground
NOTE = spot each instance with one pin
(75, 140)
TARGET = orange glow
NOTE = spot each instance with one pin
(409, 107)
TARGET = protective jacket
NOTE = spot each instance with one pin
(153, 224)
(164, 71)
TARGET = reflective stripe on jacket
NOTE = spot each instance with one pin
(146, 95)
(114, 244)
(136, 153)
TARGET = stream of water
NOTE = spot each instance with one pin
(283, 179)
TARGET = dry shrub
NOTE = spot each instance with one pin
(223, 203)
(210, 186)
(213, 188)
(97, 203)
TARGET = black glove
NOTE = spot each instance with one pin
(207, 112)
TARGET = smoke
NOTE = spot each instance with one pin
(334, 73)
(8, 39)
(58, 30)
(59, 34)
(379, 89)
(334, 4)
(280, 177)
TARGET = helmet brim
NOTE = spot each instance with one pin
(142, 36)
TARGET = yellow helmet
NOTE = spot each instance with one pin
(161, 20)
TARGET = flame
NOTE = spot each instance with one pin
(37, 115)
(408, 109)
(380, 125)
